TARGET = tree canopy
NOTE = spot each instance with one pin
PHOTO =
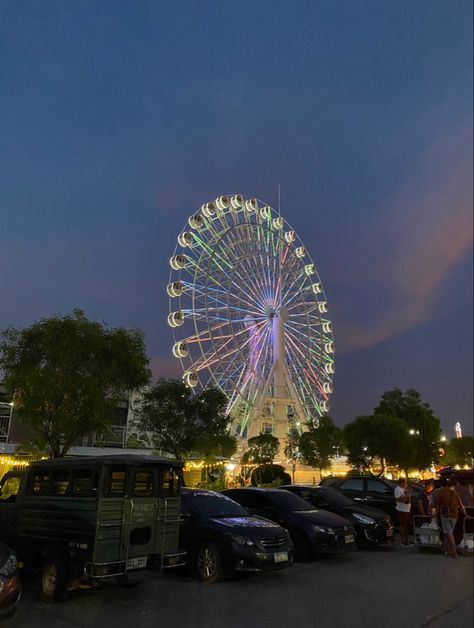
(179, 422)
(67, 374)
(262, 449)
(459, 451)
(320, 443)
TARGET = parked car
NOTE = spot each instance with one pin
(220, 537)
(369, 491)
(92, 518)
(373, 526)
(10, 585)
(313, 531)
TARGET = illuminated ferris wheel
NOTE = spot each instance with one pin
(249, 315)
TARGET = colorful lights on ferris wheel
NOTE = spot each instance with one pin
(317, 287)
(300, 252)
(324, 406)
(191, 379)
(175, 319)
(266, 212)
(329, 347)
(290, 236)
(175, 289)
(309, 269)
(329, 368)
(323, 306)
(177, 262)
(180, 350)
(278, 223)
(185, 238)
(328, 387)
(327, 327)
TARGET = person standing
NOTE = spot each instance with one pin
(402, 496)
(449, 507)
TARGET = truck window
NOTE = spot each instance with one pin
(115, 482)
(10, 489)
(143, 484)
(60, 481)
(40, 483)
(84, 483)
(169, 483)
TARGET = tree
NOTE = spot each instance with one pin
(459, 451)
(262, 450)
(420, 421)
(179, 422)
(378, 437)
(67, 374)
(318, 444)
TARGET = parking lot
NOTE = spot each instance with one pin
(384, 587)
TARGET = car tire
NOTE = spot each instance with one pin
(302, 547)
(209, 564)
(53, 580)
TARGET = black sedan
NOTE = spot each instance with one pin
(221, 537)
(313, 531)
(373, 526)
(10, 586)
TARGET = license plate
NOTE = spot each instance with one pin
(136, 563)
(280, 557)
(349, 538)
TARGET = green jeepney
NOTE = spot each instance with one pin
(92, 518)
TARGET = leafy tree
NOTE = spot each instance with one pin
(421, 423)
(179, 422)
(459, 451)
(318, 444)
(66, 375)
(262, 450)
(378, 437)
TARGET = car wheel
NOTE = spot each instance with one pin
(209, 564)
(53, 580)
(302, 547)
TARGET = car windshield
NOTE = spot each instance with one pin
(335, 497)
(288, 501)
(213, 505)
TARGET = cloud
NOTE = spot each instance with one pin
(429, 231)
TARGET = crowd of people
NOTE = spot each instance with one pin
(446, 504)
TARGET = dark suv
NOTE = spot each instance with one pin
(313, 531)
(373, 526)
(370, 491)
(221, 537)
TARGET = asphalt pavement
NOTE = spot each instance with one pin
(390, 587)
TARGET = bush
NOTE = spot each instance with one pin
(270, 475)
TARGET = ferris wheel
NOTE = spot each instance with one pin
(249, 315)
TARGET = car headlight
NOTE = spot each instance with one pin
(324, 530)
(242, 540)
(363, 518)
(9, 566)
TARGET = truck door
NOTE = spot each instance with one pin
(167, 514)
(142, 531)
(10, 488)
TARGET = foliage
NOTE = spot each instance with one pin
(179, 422)
(262, 449)
(319, 443)
(459, 451)
(377, 436)
(271, 475)
(66, 375)
(420, 421)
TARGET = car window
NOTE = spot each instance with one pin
(377, 487)
(143, 483)
(60, 481)
(10, 489)
(353, 484)
(115, 481)
(250, 499)
(169, 483)
(207, 504)
(84, 482)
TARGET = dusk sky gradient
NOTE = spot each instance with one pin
(118, 119)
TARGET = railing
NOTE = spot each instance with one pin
(114, 436)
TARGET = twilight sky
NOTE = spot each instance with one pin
(118, 119)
